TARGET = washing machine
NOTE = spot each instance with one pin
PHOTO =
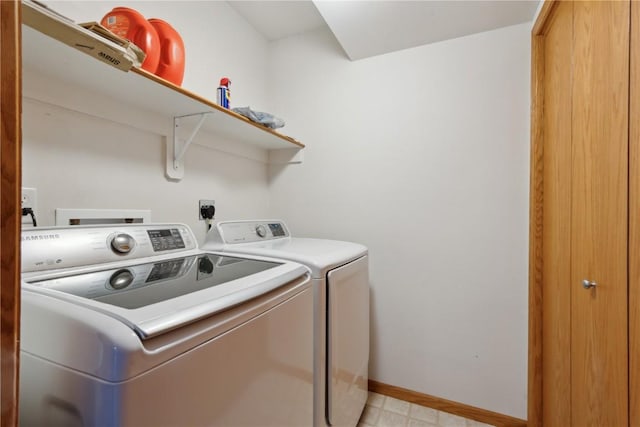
(133, 325)
(340, 278)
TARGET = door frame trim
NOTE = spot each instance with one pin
(10, 194)
(534, 382)
(634, 219)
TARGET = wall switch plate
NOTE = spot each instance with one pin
(29, 200)
(205, 204)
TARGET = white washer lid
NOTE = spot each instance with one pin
(319, 255)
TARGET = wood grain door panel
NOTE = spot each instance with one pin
(599, 354)
(634, 220)
(585, 217)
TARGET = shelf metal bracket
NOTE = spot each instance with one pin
(177, 149)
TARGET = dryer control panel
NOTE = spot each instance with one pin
(229, 232)
(64, 247)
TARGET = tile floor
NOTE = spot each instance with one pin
(385, 411)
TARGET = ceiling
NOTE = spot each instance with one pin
(279, 19)
(370, 28)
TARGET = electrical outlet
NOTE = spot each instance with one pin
(29, 200)
(203, 206)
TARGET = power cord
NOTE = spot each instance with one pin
(29, 211)
(207, 212)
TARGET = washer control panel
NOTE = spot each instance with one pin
(166, 239)
(250, 231)
(64, 247)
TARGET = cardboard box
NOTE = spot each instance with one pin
(107, 48)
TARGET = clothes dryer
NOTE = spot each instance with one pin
(340, 278)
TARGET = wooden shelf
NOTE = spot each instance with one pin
(227, 122)
(140, 90)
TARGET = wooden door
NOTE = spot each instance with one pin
(584, 226)
(599, 225)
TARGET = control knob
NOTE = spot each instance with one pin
(121, 279)
(261, 231)
(122, 243)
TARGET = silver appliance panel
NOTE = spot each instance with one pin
(56, 248)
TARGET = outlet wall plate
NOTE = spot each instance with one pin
(202, 203)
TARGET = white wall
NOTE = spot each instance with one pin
(422, 155)
(78, 160)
